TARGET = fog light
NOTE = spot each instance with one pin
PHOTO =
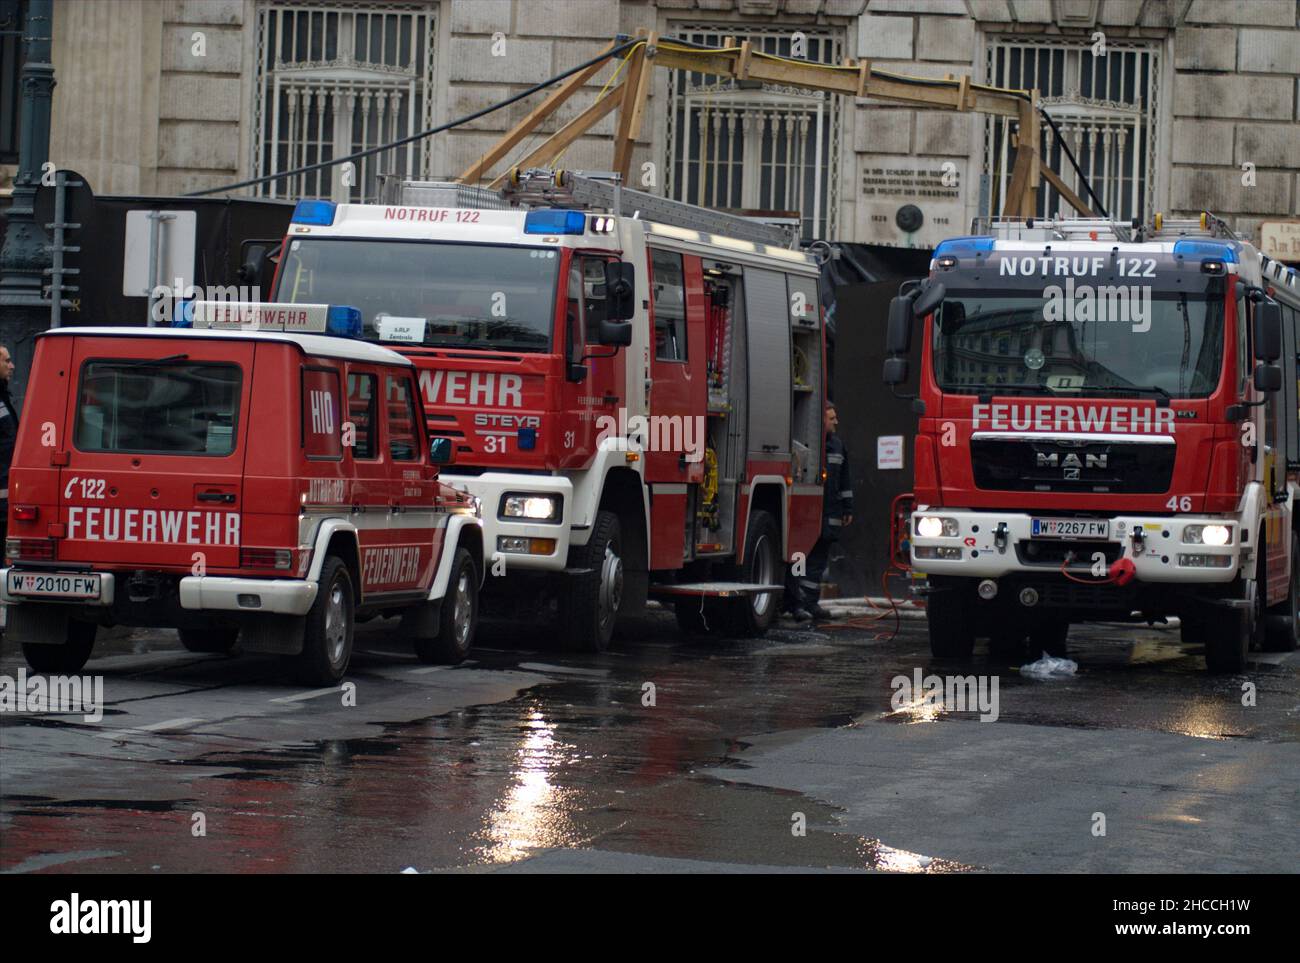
(1028, 597)
(517, 545)
(1205, 561)
(938, 551)
(988, 589)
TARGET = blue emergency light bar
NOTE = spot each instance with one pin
(1216, 250)
(556, 221)
(344, 321)
(319, 213)
(964, 246)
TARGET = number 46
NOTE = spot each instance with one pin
(1179, 503)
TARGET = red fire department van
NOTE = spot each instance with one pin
(253, 479)
(636, 398)
(1108, 431)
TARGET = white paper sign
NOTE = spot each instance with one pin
(889, 452)
(401, 329)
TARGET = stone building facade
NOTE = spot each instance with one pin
(1174, 105)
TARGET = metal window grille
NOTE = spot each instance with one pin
(769, 149)
(334, 79)
(1106, 107)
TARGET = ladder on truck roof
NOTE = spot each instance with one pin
(1101, 229)
(540, 187)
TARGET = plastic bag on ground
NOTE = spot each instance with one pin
(1050, 667)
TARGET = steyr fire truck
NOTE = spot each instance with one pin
(634, 385)
(1108, 431)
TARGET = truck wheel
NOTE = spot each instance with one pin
(1048, 636)
(220, 641)
(1280, 626)
(68, 657)
(951, 622)
(590, 602)
(1191, 628)
(457, 617)
(327, 638)
(749, 617)
(1227, 639)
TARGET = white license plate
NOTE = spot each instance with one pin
(1070, 528)
(53, 585)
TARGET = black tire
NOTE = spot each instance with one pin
(951, 623)
(457, 616)
(1227, 639)
(66, 658)
(1048, 635)
(219, 641)
(750, 616)
(1282, 623)
(327, 637)
(590, 602)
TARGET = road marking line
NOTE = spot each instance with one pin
(428, 668)
(152, 727)
(313, 694)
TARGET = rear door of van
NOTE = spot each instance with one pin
(154, 452)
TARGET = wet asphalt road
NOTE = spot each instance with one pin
(529, 758)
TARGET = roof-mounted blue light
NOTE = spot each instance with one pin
(343, 320)
(1215, 250)
(183, 314)
(320, 213)
(555, 222)
(964, 246)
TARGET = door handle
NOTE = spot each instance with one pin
(226, 497)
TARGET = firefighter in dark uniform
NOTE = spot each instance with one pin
(803, 592)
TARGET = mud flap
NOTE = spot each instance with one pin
(273, 634)
(37, 624)
(421, 621)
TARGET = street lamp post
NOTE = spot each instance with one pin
(24, 310)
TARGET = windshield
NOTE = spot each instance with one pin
(430, 293)
(1160, 344)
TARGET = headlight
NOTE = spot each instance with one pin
(1207, 535)
(932, 526)
(539, 507)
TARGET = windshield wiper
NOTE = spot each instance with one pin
(1162, 395)
(509, 327)
(167, 360)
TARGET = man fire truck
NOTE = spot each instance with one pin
(635, 399)
(1108, 431)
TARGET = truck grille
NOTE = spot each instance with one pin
(1033, 465)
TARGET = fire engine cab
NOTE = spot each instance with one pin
(263, 477)
(1108, 431)
(634, 385)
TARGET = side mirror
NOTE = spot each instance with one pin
(896, 371)
(898, 331)
(1268, 378)
(1268, 331)
(257, 267)
(931, 297)
(615, 333)
(620, 292)
(442, 451)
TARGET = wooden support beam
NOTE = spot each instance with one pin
(742, 65)
(551, 148)
(636, 86)
(1073, 199)
(530, 123)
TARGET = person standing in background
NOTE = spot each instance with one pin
(8, 432)
(803, 593)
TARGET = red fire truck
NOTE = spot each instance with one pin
(634, 385)
(1108, 431)
(253, 479)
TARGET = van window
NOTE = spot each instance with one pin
(160, 407)
(669, 290)
(403, 440)
(361, 412)
(321, 425)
